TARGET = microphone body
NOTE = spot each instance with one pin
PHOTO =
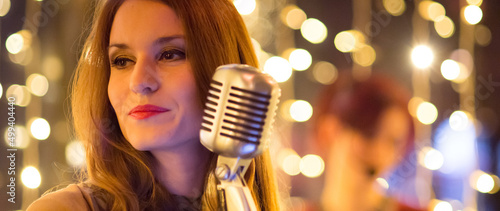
(237, 125)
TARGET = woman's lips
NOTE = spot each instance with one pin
(146, 111)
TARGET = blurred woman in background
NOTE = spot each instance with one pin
(365, 130)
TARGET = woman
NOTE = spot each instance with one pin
(137, 100)
(365, 129)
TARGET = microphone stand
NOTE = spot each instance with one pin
(232, 190)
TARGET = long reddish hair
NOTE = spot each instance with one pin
(124, 177)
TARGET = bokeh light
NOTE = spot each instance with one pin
(394, 7)
(431, 10)
(459, 120)
(37, 84)
(444, 27)
(300, 59)
(245, 7)
(313, 30)
(364, 56)
(475, 2)
(312, 166)
(53, 67)
(482, 35)
(485, 183)
(4, 7)
(430, 158)
(348, 41)
(279, 68)
(1, 91)
(473, 14)
(40, 128)
(325, 72)
(75, 154)
(422, 56)
(14, 43)
(443, 206)
(293, 16)
(31, 177)
(21, 139)
(427, 113)
(450, 69)
(291, 164)
(20, 93)
(301, 111)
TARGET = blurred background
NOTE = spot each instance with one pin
(442, 51)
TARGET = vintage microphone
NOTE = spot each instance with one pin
(237, 124)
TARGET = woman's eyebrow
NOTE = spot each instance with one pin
(163, 40)
(159, 41)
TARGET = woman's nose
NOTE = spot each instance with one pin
(144, 79)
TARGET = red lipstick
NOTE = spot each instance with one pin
(146, 111)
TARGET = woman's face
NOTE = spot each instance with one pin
(152, 87)
(382, 151)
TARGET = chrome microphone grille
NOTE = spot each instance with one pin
(239, 111)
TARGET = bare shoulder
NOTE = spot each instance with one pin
(73, 197)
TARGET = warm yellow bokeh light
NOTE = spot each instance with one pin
(4, 7)
(427, 113)
(394, 7)
(291, 164)
(279, 68)
(20, 93)
(301, 110)
(53, 67)
(31, 177)
(348, 41)
(312, 166)
(300, 59)
(21, 139)
(37, 84)
(245, 7)
(485, 183)
(14, 43)
(325, 72)
(364, 56)
(450, 69)
(422, 56)
(430, 158)
(40, 128)
(382, 183)
(475, 2)
(444, 27)
(313, 30)
(293, 16)
(1, 91)
(431, 10)
(482, 35)
(473, 14)
(459, 120)
(75, 154)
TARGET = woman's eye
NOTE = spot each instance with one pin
(120, 62)
(172, 55)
